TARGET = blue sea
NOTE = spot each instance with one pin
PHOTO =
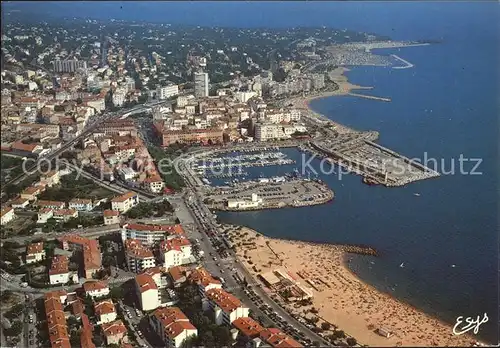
(446, 106)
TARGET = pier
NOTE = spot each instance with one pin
(369, 97)
(408, 64)
(377, 164)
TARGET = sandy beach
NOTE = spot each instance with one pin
(345, 87)
(342, 299)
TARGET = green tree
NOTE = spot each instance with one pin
(351, 341)
(326, 326)
(14, 330)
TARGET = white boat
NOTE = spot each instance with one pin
(402, 264)
(417, 194)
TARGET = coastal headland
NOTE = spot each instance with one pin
(339, 297)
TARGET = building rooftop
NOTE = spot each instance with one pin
(124, 197)
(34, 248)
(135, 249)
(114, 328)
(94, 285)
(145, 282)
(226, 301)
(248, 327)
(110, 213)
(278, 339)
(104, 307)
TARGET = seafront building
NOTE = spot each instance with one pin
(150, 234)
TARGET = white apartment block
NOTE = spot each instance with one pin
(81, 204)
(147, 292)
(266, 131)
(35, 252)
(119, 97)
(44, 215)
(111, 217)
(225, 306)
(105, 312)
(150, 234)
(96, 289)
(125, 202)
(172, 326)
(7, 215)
(201, 84)
(175, 252)
(167, 91)
(138, 257)
(204, 280)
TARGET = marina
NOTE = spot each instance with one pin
(267, 194)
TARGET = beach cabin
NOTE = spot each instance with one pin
(384, 332)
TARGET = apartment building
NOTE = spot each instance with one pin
(225, 306)
(44, 215)
(90, 250)
(35, 252)
(187, 136)
(111, 217)
(248, 328)
(51, 204)
(125, 202)
(167, 91)
(151, 234)
(59, 272)
(154, 184)
(7, 215)
(172, 326)
(276, 338)
(68, 66)
(114, 332)
(201, 84)
(95, 288)
(81, 204)
(138, 256)
(65, 214)
(175, 251)
(204, 280)
(56, 320)
(105, 312)
(147, 292)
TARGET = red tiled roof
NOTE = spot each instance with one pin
(203, 277)
(174, 244)
(124, 197)
(177, 272)
(104, 307)
(59, 265)
(145, 282)
(109, 213)
(34, 248)
(94, 285)
(135, 249)
(278, 339)
(248, 327)
(173, 229)
(6, 210)
(226, 301)
(114, 328)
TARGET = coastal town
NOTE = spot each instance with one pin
(113, 134)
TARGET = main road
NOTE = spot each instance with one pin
(192, 212)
